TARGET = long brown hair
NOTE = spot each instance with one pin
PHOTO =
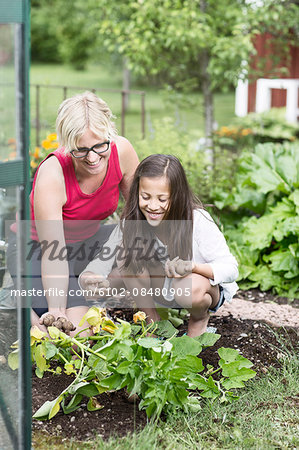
(179, 215)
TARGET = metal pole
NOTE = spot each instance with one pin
(143, 115)
(24, 322)
(123, 112)
(37, 121)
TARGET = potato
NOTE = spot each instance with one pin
(58, 324)
(68, 326)
(48, 320)
(62, 320)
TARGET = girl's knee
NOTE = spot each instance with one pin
(202, 301)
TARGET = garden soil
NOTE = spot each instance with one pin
(258, 324)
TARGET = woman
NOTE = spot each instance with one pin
(166, 231)
(78, 182)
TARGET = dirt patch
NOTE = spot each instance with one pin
(118, 415)
(244, 329)
(259, 328)
(255, 340)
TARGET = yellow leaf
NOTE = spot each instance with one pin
(54, 332)
(55, 408)
(93, 316)
(36, 334)
(13, 360)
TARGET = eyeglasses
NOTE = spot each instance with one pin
(97, 148)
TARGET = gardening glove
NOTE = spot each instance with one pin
(95, 285)
(178, 268)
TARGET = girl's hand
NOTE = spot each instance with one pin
(94, 284)
(178, 268)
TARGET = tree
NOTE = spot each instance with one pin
(199, 43)
(44, 41)
(64, 32)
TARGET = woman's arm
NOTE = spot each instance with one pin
(49, 198)
(128, 161)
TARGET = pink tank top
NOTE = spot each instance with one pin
(90, 208)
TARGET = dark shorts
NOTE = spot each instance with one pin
(76, 262)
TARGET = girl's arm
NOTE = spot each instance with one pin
(102, 265)
(211, 252)
(203, 269)
(178, 268)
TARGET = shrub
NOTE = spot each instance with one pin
(256, 128)
(265, 240)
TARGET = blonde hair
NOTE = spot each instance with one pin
(79, 113)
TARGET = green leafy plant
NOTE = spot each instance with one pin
(269, 126)
(266, 195)
(255, 128)
(166, 374)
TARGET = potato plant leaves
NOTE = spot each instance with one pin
(162, 372)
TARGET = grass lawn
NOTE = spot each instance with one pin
(265, 418)
(189, 118)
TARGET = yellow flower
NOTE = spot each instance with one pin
(12, 155)
(12, 142)
(47, 144)
(246, 131)
(108, 325)
(33, 164)
(224, 129)
(54, 145)
(233, 130)
(140, 316)
(36, 152)
(52, 137)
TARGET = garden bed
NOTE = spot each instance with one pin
(255, 339)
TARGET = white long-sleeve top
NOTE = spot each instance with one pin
(209, 247)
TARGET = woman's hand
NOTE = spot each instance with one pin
(49, 317)
(93, 285)
(178, 268)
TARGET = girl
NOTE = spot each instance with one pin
(166, 231)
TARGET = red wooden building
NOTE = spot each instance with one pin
(246, 94)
